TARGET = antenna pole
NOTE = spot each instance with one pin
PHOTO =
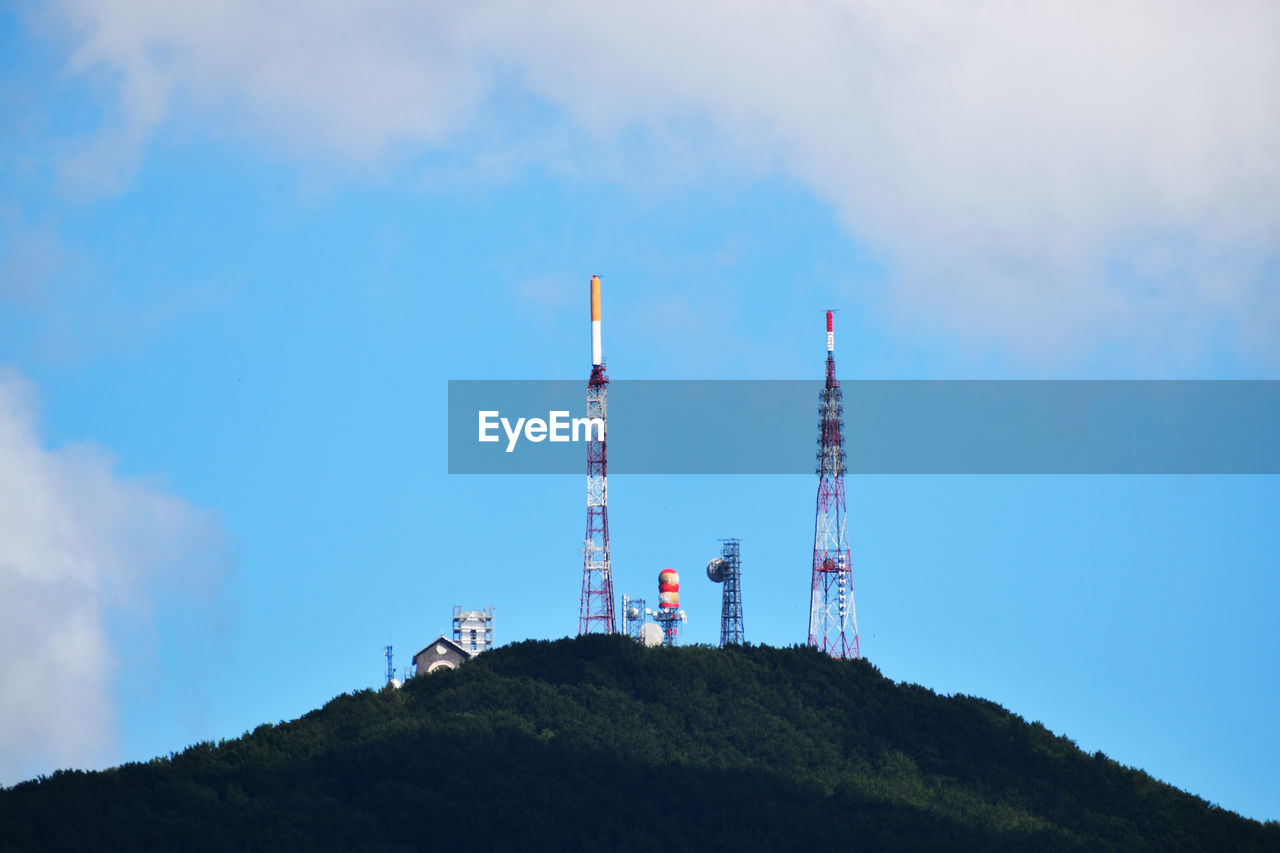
(731, 628)
(833, 619)
(595, 606)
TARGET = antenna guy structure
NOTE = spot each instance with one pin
(595, 608)
(833, 619)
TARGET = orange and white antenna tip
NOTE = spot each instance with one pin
(831, 331)
(597, 351)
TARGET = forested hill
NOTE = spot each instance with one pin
(597, 743)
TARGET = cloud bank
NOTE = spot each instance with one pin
(1045, 176)
(80, 545)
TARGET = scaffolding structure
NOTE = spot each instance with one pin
(473, 629)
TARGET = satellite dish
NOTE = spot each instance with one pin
(650, 634)
(718, 569)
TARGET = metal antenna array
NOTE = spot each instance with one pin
(669, 615)
(727, 569)
(595, 607)
(640, 623)
(833, 619)
(391, 669)
(634, 614)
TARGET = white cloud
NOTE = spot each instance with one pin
(79, 545)
(1009, 159)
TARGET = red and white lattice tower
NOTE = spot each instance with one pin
(833, 621)
(595, 610)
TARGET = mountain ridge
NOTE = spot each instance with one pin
(598, 742)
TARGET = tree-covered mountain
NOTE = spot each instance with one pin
(599, 743)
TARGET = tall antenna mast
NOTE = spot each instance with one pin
(595, 608)
(391, 669)
(727, 569)
(833, 620)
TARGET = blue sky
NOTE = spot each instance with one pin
(243, 251)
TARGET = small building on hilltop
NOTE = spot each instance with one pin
(442, 654)
(472, 634)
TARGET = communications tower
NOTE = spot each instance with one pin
(833, 620)
(595, 608)
(669, 615)
(727, 569)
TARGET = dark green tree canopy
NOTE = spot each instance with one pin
(599, 743)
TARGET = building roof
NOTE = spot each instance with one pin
(448, 642)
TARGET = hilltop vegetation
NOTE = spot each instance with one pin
(598, 743)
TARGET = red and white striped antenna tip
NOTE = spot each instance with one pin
(597, 349)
